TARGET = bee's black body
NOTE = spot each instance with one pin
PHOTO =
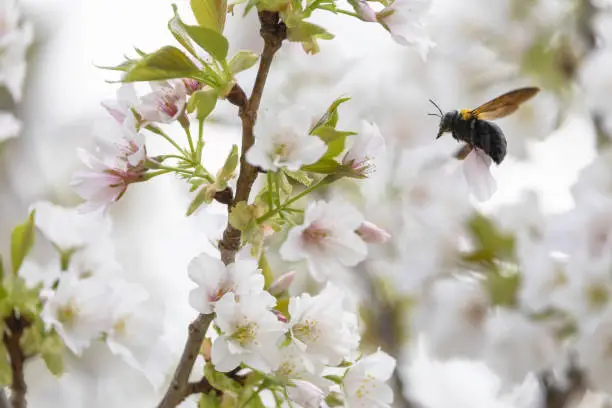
(482, 134)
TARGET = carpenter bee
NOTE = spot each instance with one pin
(472, 126)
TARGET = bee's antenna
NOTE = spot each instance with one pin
(439, 110)
(435, 114)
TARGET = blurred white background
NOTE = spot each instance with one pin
(62, 99)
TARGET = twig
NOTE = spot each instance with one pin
(179, 387)
(12, 334)
(273, 32)
(556, 396)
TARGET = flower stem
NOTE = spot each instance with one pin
(158, 131)
(348, 13)
(172, 169)
(292, 200)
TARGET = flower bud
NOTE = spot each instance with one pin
(365, 12)
(373, 234)
(282, 284)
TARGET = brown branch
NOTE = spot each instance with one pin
(273, 31)
(557, 396)
(179, 387)
(11, 336)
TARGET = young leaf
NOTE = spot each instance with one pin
(166, 63)
(221, 381)
(299, 176)
(242, 61)
(210, 400)
(205, 195)
(323, 166)
(177, 28)
(51, 351)
(330, 118)
(242, 216)
(266, 271)
(22, 240)
(211, 41)
(210, 13)
(231, 162)
(203, 102)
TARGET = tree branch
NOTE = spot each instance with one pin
(273, 31)
(12, 334)
(179, 387)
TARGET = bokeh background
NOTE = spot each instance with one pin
(483, 49)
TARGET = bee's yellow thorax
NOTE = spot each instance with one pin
(466, 114)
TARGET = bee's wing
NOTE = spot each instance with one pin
(463, 151)
(504, 104)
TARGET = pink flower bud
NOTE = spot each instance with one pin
(281, 317)
(282, 283)
(373, 234)
(366, 13)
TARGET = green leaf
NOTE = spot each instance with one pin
(22, 240)
(211, 41)
(1, 269)
(241, 216)
(283, 183)
(334, 378)
(335, 140)
(177, 28)
(299, 176)
(252, 401)
(203, 102)
(242, 61)
(323, 166)
(32, 339)
(210, 400)
(166, 63)
(6, 374)
(330, 118)
(230, 165)
(205, 195)
(16, 295)
(51, 350)
(305, 32)
(220, 381)
(266, 271)
(210, 13)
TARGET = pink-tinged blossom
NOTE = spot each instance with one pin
(104, 182)
(118, 161)
(192, 85)
(365, 11)
(120, 108)
(215, 279)
(367, 145)
(166, 103)
(282, 283)
(326, 238)
(477, 171)
(372, 233)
